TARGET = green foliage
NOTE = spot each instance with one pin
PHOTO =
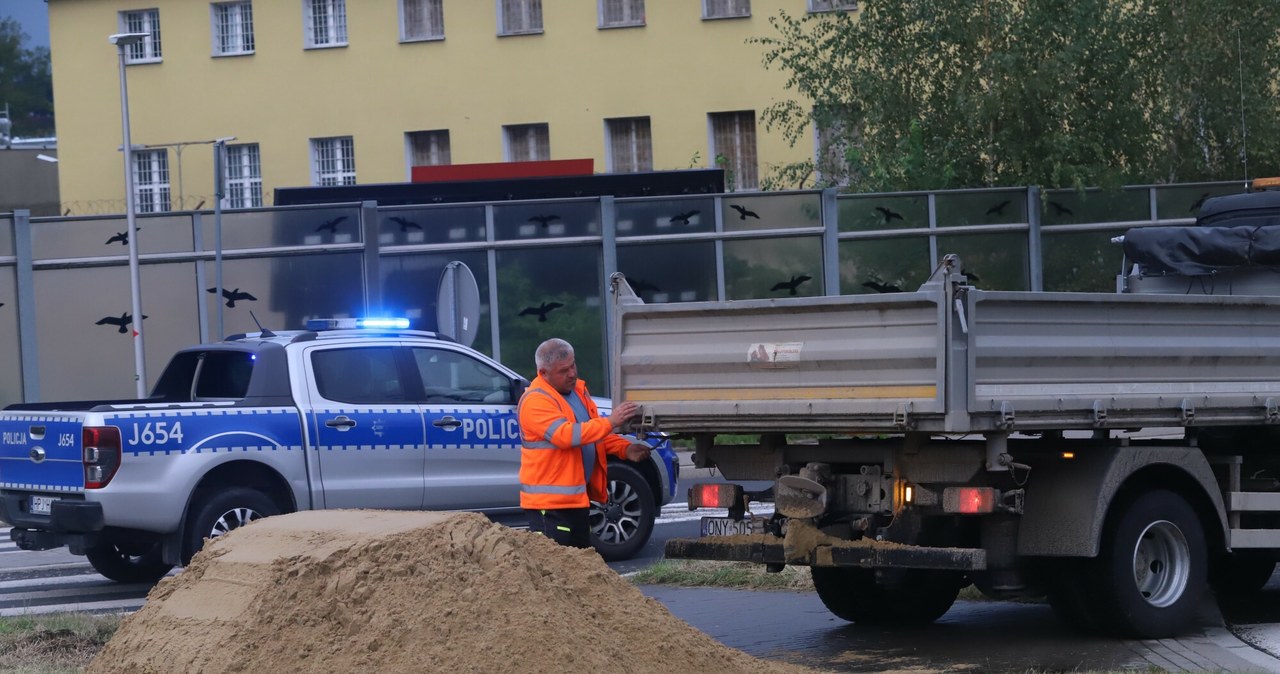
(741, 575)
(26, 82)
(939, 94)
(61, 642)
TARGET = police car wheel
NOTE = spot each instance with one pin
(623, 524)
(126, 565)
(222, 512)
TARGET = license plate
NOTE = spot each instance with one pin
(41, 505)
(725, 526)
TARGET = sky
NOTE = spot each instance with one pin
(33, 15)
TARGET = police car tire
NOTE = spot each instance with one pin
(122, 566)
(634, 484)
(250, 503)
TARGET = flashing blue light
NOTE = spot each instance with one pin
(320, 324)
(392, 323)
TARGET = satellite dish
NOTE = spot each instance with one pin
(458, 303)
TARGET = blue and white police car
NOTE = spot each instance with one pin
(346, 414)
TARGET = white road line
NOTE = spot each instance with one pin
(98, 607)
(69, 593)
(89, 575)
(679, 512)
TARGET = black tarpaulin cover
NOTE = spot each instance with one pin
(1196, 251)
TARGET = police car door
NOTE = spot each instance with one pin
(367, 433)
(473, 438)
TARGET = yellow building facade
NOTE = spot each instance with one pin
(341, 91)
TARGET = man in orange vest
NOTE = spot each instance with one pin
(563, 464)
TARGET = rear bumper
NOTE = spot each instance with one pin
(767, 549)
(74, 524)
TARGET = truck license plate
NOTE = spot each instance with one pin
(725, 526)
(42, 505)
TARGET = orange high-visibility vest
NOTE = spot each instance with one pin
(551, 470)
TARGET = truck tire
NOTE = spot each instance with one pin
(1243, 572)
(623, 524)
(918, 597)
(124, 565)
(1153, 567)
(224, 511)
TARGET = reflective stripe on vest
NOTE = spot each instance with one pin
(554, 489)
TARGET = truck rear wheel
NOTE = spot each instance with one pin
(1153, 567)
(623, 524)
(222, 512)
(124, 564)
(919, 597)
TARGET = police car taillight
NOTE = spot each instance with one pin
(712, 495)
(101, 455)
(318, 324)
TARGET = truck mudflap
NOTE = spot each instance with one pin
(804, 545)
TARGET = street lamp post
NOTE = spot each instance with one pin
(123, 41)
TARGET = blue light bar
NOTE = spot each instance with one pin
(320, 324)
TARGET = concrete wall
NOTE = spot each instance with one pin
(28, 182)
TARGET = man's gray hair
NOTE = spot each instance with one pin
(551, 352)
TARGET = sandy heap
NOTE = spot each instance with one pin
(384, 591)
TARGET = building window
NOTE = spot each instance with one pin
(147, 21)
(232, 28)
(333, 161)
(325, 22)
(830, 147)
(519, 16)
(832, 5)
(620, 13)
(151, 180)
(630, 145)
(244, 176)
(428, 148)
(733, 145)
(421, 20)
(725, 9)
(527, 142)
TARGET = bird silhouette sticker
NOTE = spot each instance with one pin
(683, 218)
(1195, 205)
(791, 285)
(405, 224)
(881, 287)
(888, 215)
(332, 225)
(744, 212)
(544, 220)
(125, 319)
(1059, 209)
(998, 209)
(541, 311)
(122, 237)
(233, 296)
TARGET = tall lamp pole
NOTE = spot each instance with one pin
(122, 41)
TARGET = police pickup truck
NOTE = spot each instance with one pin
(350, 413)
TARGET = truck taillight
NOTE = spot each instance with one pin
(969, 500)
(101, 455)
(710, 495)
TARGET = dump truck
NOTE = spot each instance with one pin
(1117, 453)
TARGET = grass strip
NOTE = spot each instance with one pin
(57, 643)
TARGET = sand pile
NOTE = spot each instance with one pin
(382, 591)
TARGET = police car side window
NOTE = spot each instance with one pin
(360, 375)
(452, 377)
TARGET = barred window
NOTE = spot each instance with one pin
(618, 13)
(422, 19)
(151, 180)
(244, 176)
(519, 16)
(333, 161)
(428, 148)
(527, 142)
(733, 145)
(325, 22)
(725, 9)
(146, 50)
(232, 28)
(630, 145)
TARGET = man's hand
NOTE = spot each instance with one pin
(638, 451)
(622, 414)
